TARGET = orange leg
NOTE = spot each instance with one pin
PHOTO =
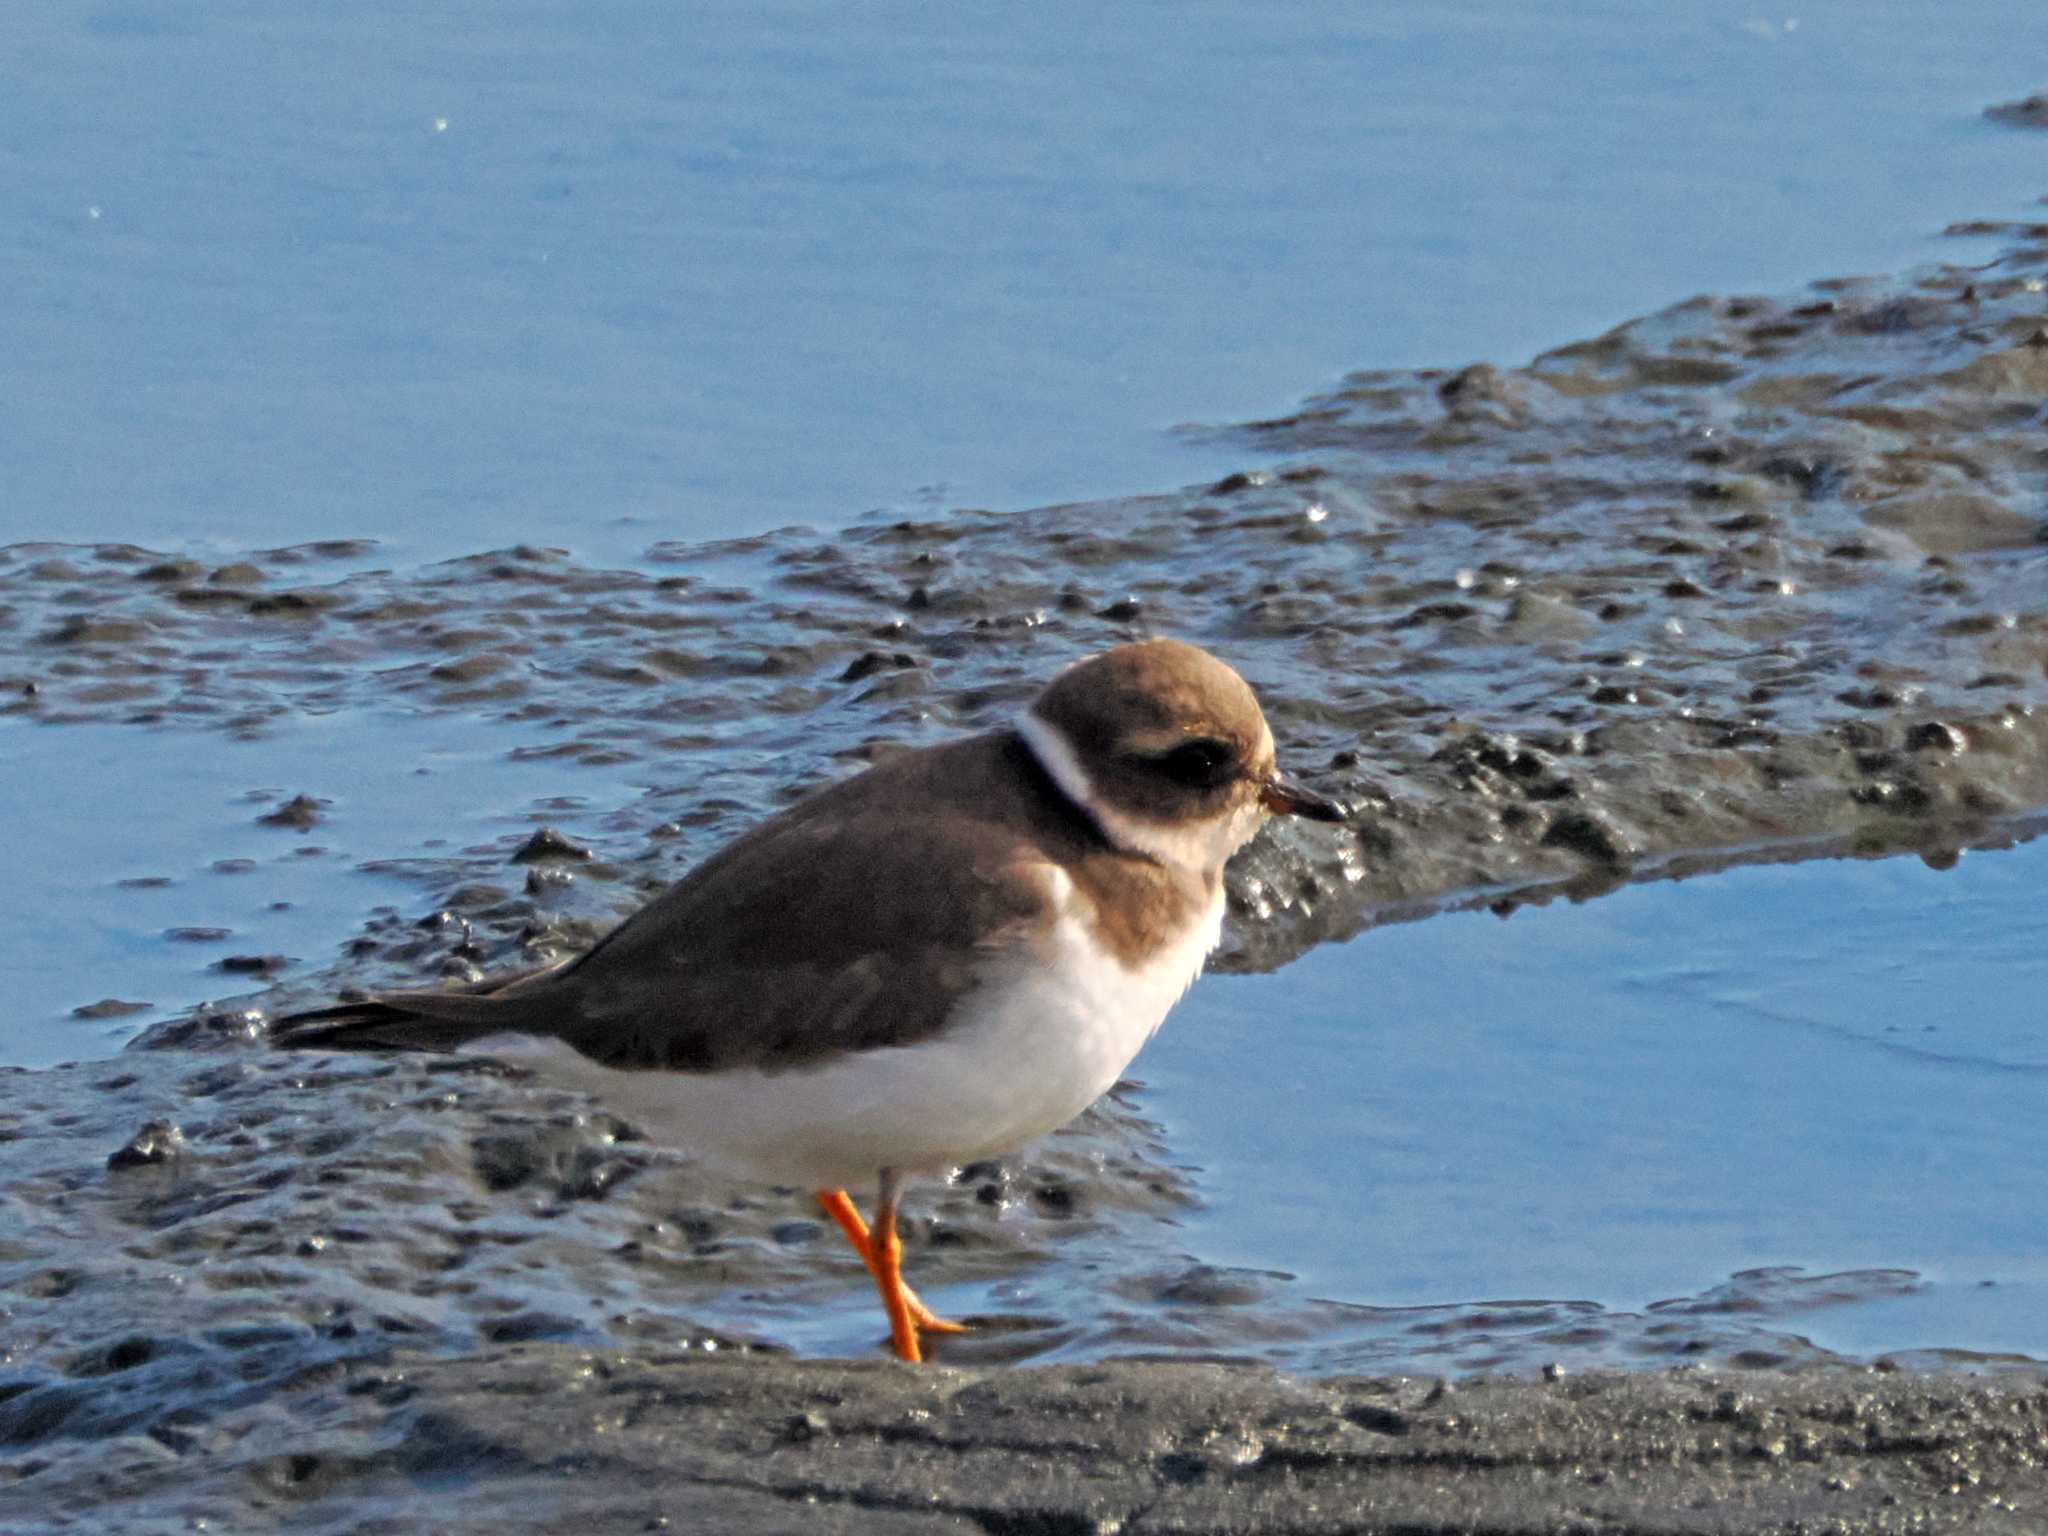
(883, 1255)
(839, 1206)
(887, 1248)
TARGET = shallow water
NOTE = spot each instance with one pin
(134, 886)
(1833, 1066)
(600, 274)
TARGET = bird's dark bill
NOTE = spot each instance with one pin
(1287, 799)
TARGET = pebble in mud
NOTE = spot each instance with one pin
(300, 813)
(2027, 112)
(109, 1008)
(548, 844)
(160, 1141)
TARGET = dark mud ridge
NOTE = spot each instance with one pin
(1750, 578)
(545, 1438)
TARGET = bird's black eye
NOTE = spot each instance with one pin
(1204, 763)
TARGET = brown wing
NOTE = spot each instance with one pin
(841, 924)
(813, 935)
(810, 936)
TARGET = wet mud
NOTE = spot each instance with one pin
(1745, 579)
(261, 1290)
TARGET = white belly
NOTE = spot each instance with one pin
(1029, 1050)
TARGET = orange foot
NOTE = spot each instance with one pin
(882, 1253)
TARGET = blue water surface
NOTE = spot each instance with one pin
(597, 273)
(129, 838)
(1833, 1065)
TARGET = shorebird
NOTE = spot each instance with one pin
(930, 963)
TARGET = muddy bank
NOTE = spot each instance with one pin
(178, 1209)
(264, 1292)
(1747, 570)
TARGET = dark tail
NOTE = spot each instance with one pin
(370, 1027)
(420, 1021)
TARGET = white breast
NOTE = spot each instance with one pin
(1032, 1047)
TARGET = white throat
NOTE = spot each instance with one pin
(1200, 847)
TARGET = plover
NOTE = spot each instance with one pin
(932, 962)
